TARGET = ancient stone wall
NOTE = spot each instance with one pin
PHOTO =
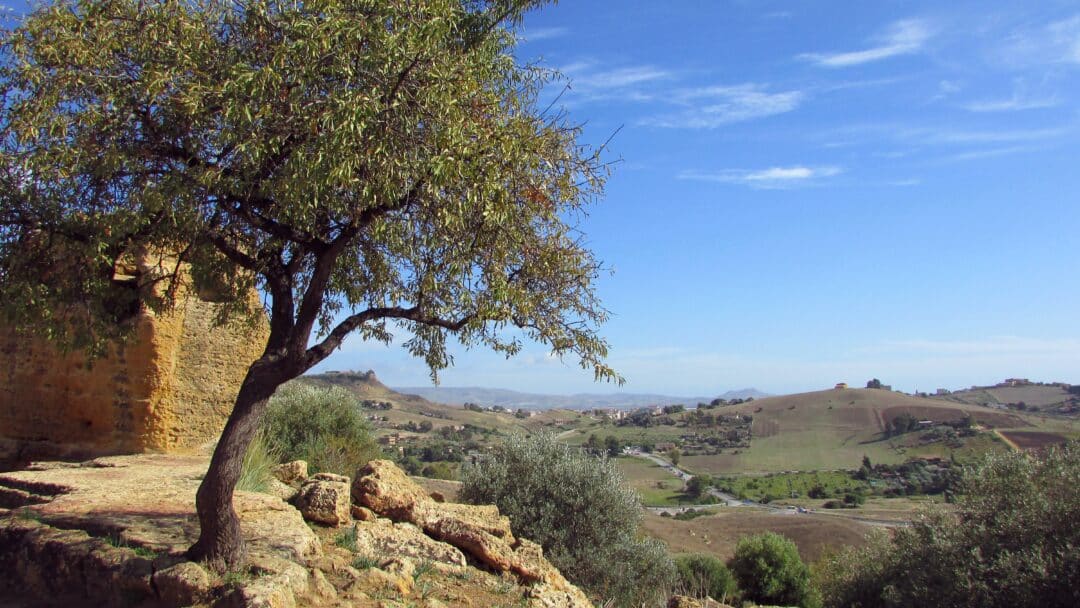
(169, 387)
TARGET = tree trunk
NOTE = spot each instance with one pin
(220, 543)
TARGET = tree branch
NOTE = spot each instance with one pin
(323, 349)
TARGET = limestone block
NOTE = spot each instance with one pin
(325, 502)
(291, 472)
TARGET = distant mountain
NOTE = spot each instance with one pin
(535, 401)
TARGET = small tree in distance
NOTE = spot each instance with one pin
(364, 165)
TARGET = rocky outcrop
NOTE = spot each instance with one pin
(479, 531)
(182, 584)
(383, 537)
(113, 532)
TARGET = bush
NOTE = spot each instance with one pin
(578, 508)
(323, 426)
(705, 575)
(769, 570)
(1012, 542)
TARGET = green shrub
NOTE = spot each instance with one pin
(259, 461)
(323, 426)
(705, 575)
(580, 510)
(769, 570)
(1012, 542)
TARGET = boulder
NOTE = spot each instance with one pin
(183, 584)
(330, 477)
(385, 489)
(291, 472)
(326, 502)
(383, 537)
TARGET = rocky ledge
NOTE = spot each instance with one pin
(112, 532)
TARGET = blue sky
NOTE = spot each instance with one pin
(818, 192)
(815, 192)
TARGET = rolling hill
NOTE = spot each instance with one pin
(834, 429)
(579, 401)
(1050, 398)
(408, 408)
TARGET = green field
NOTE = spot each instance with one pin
(657, 487)
(785, 486)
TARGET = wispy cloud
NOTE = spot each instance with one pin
(585, 77)
(1012, 104)
(1053, 43)
(543, 33)
(902, 38)
(711, 107)
(996, 136)
(771, 178)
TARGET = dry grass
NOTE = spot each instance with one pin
(718, 534)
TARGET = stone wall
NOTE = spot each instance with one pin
(171, 386)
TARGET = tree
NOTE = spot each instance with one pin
(612, 446)
(703, 575)
(874, 383)
(367, 166)
(770, 571)
(578, 507)
(698, 485)
(674, 455)
(1011, 541)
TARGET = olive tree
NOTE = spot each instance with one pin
(366, 165)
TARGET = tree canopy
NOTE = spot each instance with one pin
(363, 164)
(356, 160)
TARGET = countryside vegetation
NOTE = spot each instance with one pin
(358, 168)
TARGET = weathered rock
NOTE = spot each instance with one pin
(383, 537)
(428, 514)
(375, 581)
(385, 489)
(551, 589)
(330, 477)
(281, 490)
(325, 502)
(363, 513)
(184, 584)
(486, 547)
(322, 587)
(480, 531)
(291, 472)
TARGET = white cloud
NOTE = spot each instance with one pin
(1053, 43)
(543, 33)
(584, 77)
(1012, 104)
(711, 107)
(902, 38)
(770, 178)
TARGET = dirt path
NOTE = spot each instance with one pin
(1009, 442)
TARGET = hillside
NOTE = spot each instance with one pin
(1047, 398)
(834, 429)
(536, 401)
(408, 408)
